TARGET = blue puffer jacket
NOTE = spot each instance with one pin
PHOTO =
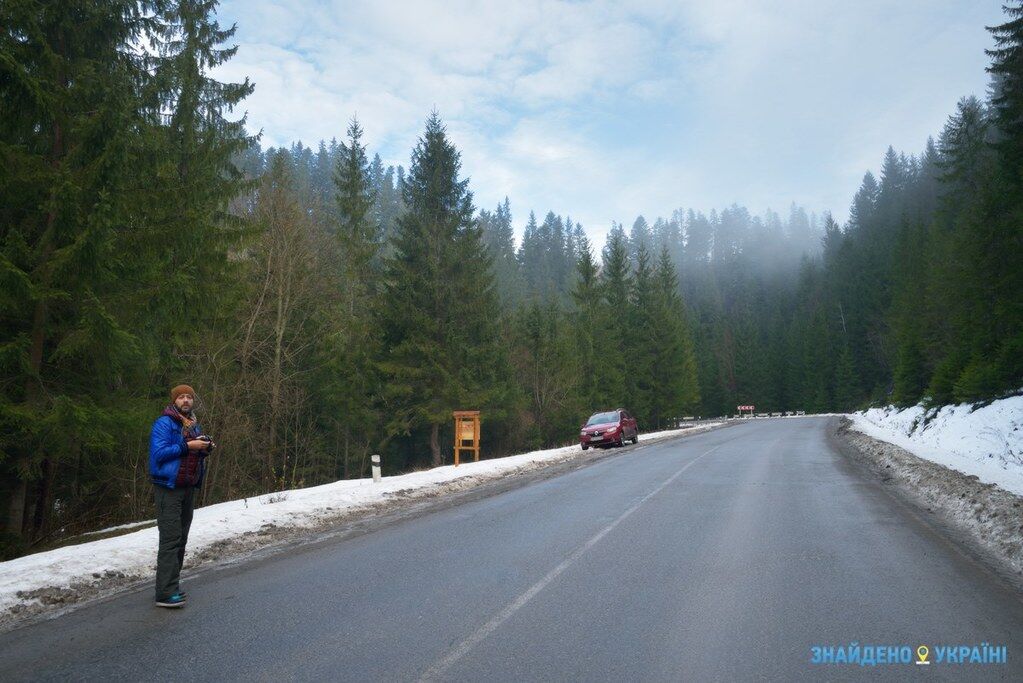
(166, 448)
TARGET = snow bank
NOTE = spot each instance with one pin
(134, 554)
(986, 442)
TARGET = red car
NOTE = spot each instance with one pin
(612, 428)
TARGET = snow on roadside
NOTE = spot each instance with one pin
(986, 442)
(134, 554)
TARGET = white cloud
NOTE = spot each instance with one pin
(605, 109)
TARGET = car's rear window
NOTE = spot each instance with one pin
(601, 418)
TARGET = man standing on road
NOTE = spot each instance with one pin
(177, 461)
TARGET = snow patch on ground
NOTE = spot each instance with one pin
(69, 574)
(984, 517)
(986, 442)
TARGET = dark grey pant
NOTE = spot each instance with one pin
(173, 517)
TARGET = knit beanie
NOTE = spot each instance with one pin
(181, 389)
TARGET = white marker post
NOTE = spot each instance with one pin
(375, 460)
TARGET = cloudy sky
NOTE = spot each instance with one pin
(605, 109)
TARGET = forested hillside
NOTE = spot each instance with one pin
(327, 307)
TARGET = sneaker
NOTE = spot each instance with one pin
(176, 600)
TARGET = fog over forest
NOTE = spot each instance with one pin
(326, 306)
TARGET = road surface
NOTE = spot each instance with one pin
(721, 556)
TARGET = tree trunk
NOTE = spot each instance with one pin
(435, 444)
(344, 474)
(44, 499)
(275, 391)
(16, 507)
(33, 396)
(16, 520)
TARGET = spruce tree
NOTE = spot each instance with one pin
(358, 230)
(599, 379)
(531, 258)
(847, 393)
(616, 272)
(639, 237)
(351, 349)
(1007, 68)
(645, 334)
(997, 241)
(438, 312)
(908, 316)
(72, 118)
(677, 385)
(500, 240)
(616, 283)
(551, 239)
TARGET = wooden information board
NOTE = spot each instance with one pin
(467, 433)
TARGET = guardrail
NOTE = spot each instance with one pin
(754, 416)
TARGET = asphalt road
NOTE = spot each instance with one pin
(721, 556)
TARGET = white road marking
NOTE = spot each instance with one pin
(463, 648)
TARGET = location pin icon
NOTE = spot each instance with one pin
(921, 653)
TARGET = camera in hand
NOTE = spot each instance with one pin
(210, 445)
